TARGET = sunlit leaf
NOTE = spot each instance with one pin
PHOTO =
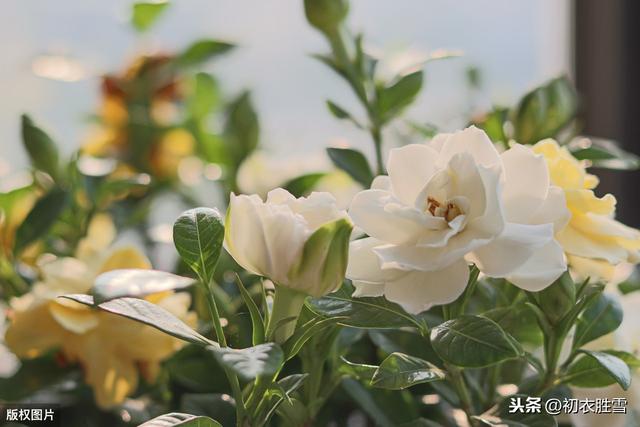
(399, 371)
(135, 283)
(175, 419)
(249, 363)
(145, 14)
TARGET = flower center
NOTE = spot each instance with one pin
(449, 210)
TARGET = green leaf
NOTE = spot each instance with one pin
(303, 185)
(474, 342)
(198, 234)
(249, 363)
(41, 148)
(133, 282)
(598, 369)
(604, 153)
(407, 341)
(363, 397)
(519, 321)
(145, 14)
(601, 317)
(352, 162)
(558, 299)
(338, 111)
(493, 124)
(183, 420)
(394, 98)
(205, 95)
(257, 323)
(294, 344)
(399, 371)
(201, 51)
(214, 405)
(545, 111)
(374, 313)
(359, 371)
(242, 129)
(42, 216)
(145, 312)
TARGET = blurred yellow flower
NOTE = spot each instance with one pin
(593, 240)
(174, 146)
(112, 350)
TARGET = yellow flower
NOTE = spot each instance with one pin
(174, 146)
(112, 350)
(593, 240)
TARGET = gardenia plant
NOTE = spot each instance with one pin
(471, 270)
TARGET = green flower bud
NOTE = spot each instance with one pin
(326, 15)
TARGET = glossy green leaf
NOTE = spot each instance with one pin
(352, 162)
(474, 342)
(198, 235)
(42, 216)
(213, 405)
(601, 317)
(145, 312)
(175, 419)
(201, 51)
(394, 98)
(145, 14)
(375, 313)
(43, 152)
(249, 363)
(257, 323)
(133, 282)
(519, 321)
(303, 185)
(399, 371)
(294, 344)
(546, 110)
(598, 369)
(360, 371)
(557, 300)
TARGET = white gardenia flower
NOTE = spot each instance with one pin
(300, 244)
(452, 201)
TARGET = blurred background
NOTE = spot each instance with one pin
(55, 52)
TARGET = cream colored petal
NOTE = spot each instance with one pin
(553, 210)
(418, 291)
(511, 249)
(473, 141)
(526, 183)
(33, 332)
(410, 168)
(364, 265)
(545, 266)
(126, 257)
(66, 275)
(73, 316)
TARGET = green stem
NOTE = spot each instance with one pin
(287, 304)
(457, 381)
(376, 134)
(231, 377)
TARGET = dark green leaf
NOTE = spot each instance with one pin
(41, 148)
(183, 420)
(135, 283)
(519, 321)
(359, 371)
(294, 344)
(201, 51)
(145, 312)
(198, 234)
(303, 185)
(257, 323)
(545, 111)
(394, 98)
(399, 371)
(364, 398)
(338, 111)
(352, 162)
(249, 363)
(598, 369)
(374, 313)
(602, 316)
(241, 129)
(146, 14)
(558, 299)
(42, 216)
(474, 341)
(404, 341)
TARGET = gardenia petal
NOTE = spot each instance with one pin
(471, 140)
(511, 249)
(541, 269)
(417, 291)
(526, 183)
(410, 168)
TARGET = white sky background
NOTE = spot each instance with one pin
(516, 44)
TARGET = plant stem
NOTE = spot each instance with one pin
(287, 304)
(457, 381)
(231, 377)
